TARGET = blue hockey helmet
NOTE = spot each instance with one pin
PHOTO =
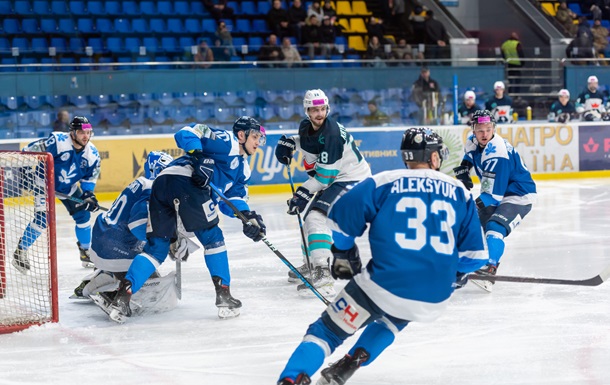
(156, 161)
(248, 125)
(418, 144)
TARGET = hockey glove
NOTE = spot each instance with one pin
(299, 201)
(89, 202)
(346, 263)
(462, 173)
(285, 148)
(203, 168)
(254, 229)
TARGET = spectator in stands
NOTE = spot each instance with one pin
(399, 19)
(425, 93)
(219, 9)
(592, 6)
(329, 34)
(404, 51)
(581, 47)
(291, 54)
(271, 52)
(375, 117)
(220, 51)
(375, 51)
(297, 14)
(376, 28)
(277, 20)
(418, 23)
(512, 52)
(311, 35)
(600, 37)
(437, 40)
(565, 16)
(562, 110)
(501, 105)
(225, 37)
(315, 9)
(204, 55)
(468, 107)
(62, 122)
(328, 9)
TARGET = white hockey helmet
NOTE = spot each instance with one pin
(563, 92)
(592, 79)
(315, 98)
(470, 95)
(499, 85)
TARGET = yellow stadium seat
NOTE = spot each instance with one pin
(549, 8)
(359, 8)
(357, 25)
(345, 24)
(356, 43)
(344, 8)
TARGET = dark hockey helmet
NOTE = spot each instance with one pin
(248, 124)
(482, 116)
(156, 161)
(80, 123)
(418, 144)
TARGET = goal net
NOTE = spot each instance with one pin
(27, 296)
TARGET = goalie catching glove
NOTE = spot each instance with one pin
(346, 263)
(203, 168)
(254, 228)
(285, 148)
(89, 202)
(299, 201)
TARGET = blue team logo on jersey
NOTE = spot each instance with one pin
(490, 149)
(95, 151)
(62, 137)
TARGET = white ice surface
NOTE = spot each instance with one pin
(520, 334)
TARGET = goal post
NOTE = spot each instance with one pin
(27, 194)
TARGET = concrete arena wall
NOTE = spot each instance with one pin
(549, 150)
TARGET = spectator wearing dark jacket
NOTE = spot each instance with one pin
(271, 52)
(278, 20)
(329, 34)
(311, 34)
(437, 39)
(297, 14)
(219, 9)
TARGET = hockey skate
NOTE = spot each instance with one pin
(321, 280)
(228, 307)
(78, 291)
(21, 261)
(119, 309)
(488, 270)
(85, 258)
(302, 379)
(303, 269)
(339, 372)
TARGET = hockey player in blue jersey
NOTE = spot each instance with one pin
(507, 188)
(181, 190)
(77, 161)
(423, 229)
(120, 233)
(333, 161)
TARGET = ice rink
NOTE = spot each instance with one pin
(520, 334)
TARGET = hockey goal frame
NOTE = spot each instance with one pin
(5, 258)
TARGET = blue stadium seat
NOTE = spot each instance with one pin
(67, 60)
(198, 9)
(40, 7)
(47, 68)
(29, 25)
(144, 98)
(77, 7)
(40, 45)
(124, 100)
(268, 95)
(151, 44)
(59, 8)
(113, 8)
(85, 25)
(42, 118)
(205, 97)
(11, 102)
(169, 45)
(192, 25)
(11, 26)
(248, 96)
(59, 43)
(22, 7)
(5, 45)
(157, 25)
(246, 110)
(175, 25)
(76, 45)
(96, 7)
(230, 98)
(6, 7)
(162, 59)
(140, 25)
(235, 6)
(135, 115)
(265, 113)
(259, 25)
(22, 43)
(148, 8)
(104, 25)
(85, 60)
(29, 60)
(263, 7)
(33, 101)
(209, 25)
(165, 8)
(67, 26)
(185, 98)
(575, 7)
(132, 44)
(243, 26)
(130, 8)
(180, 114)
(115, 44)
(57, 101)
(255, 43)
(122, 25)
(223, 114)
(288, 95)
(182, 8)
(101, 100)
(186, 42)
(124, 59)
(248, 8)
(286, 112)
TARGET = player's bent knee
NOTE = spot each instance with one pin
(326, 334)
(158, 248)
(81, 217)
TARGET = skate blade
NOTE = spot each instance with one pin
(88, 265)
(117, 316)
(227, 313)
(327, 291)
(101, 303)
(22, 269)
(324, 381)
(81, 297)
(485, 285)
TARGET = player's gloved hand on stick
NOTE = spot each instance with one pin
(89, 202)
(346, 263)
(203, 168)
(179, 249)
(255, 228)
(284, 150)
(299, 201)
(462, 173)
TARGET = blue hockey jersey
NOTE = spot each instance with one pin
(71, 166)
(502, 172)
(424, 228)
(120, 233)
(231, 170)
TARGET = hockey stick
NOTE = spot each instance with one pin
(303, 239)
(270, 245)
(73, 199)
(179, 278)
(595, 281)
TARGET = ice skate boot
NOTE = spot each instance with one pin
(21, 261)
(85, 258)
(303, 269)
(78, 291)
(302, 379)
(339, 372)
(487, 270)
(228, 306)
(321, 280)
(119, 309)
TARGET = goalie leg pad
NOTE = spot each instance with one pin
(103, 281)
(157, 295)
